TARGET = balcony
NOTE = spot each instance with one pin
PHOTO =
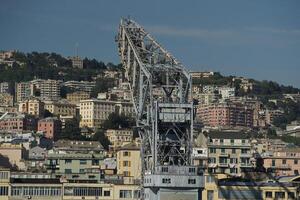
(246, 165)
(226, 154)
(223, 164)
(246, 155)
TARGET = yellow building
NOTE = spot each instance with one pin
(119, 137)
(63, 108)
(94, 111)
(76, 97)
(32, 106)
(129, 160)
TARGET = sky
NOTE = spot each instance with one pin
(258, 39)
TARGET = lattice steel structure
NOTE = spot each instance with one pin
(161, 93)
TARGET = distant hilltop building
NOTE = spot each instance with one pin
(77, 62)
(202, 74)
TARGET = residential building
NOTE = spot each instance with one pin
(63, 108)
(198, 75)
(94, 111)
(51, 127)
(4, 87)
(77, 62)
(119, 137)
(4, 183)
(272, 114)
(11, 122)
(226, 92)
(229, 153)
(15, 153)
(129, 160)
(225, 114)
(83, 86)
(74, 146)
(32, 106)
(23, 91)
(285, 162)
(200, 157)
(50, 89)
(6, 54)
(6, 99)
(76, 97)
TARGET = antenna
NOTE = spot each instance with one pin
(76, 49)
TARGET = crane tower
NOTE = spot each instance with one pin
(161, 93)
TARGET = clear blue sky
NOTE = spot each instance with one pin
(253, 38)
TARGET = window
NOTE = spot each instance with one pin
(192, 170)
(233, 160)
(232, 141)
(125, 194)
(212, 150)
(273, 163)
(269, 194)
(68, 171)
(279, 195)
(233, 170)
(166, 180)
(284, 161)
(243, 141)
(291, 195)
(106, 193)
(221, 141)
(81, 170)
(68, 161)
(210, 195)
(164, 169)
(83, 162)
(210, 179)
(295, 162)
(126, 163)
(3, 191)
(126, 173)
(136, 194)
(192, 181)
(244, 151)
(296, 172)
(126, 154)
(233, 151)
(223, 150)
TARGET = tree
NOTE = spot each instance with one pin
(116, 121)
(102, 85)
(101, 137)
(71, 130)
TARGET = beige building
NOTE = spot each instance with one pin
(77, 62)
(129, 160)
(23, 91)
(14, 153)
(50, 89)
(6, 99)
(63, 108)
(4, 183)
(76, 97)
(119, 137)
(32, 106)
(94, 111)
(229, 153)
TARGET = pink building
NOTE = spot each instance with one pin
(51, 127)
(284, 162)
(225, 114)
(17, 123)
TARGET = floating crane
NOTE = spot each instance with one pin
(162, 97)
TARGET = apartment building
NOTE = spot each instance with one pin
(198, 75)
(225, 114)
(50, 89)
(284, 162)
(51, 127)
(23, 91)
(83, 86)
(229, 153)
(63, 108)
(119, 137)
(32, 106)
(17, 122)
(76, 97)
(4, 183)
(94, 111)
(4, 87)
(129, 160)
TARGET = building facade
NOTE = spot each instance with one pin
(51, 127)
